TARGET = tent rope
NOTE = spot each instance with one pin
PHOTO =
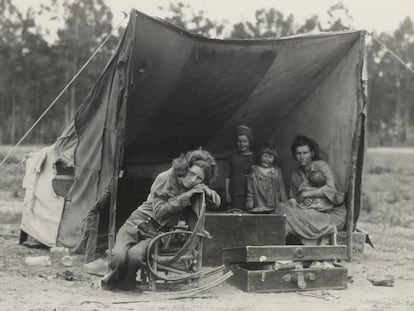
(19, 164)
(97, 50)
(392, 53)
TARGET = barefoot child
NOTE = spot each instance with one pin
(238, 166)
(265, 186)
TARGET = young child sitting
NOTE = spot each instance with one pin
(265, 186)
(316, 180)
(238, 166)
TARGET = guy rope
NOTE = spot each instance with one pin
(97, 50)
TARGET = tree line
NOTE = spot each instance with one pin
(34, 69)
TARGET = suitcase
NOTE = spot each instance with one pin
(236, 230)
(254, 268)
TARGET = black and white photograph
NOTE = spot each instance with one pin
(206, 155)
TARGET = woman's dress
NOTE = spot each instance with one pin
(311, 225)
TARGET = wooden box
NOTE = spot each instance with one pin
(358, 242)
(236, 230)
(259, 281)
(254, 268)
(288, 252)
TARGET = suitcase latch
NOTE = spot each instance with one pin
(299, 278)
(298, 252)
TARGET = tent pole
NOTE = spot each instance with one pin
(355, 155)
(350, 221)
(114, 191)
(112, 209)
(353, 181)
(119, 150)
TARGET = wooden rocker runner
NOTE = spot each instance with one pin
(181, 264)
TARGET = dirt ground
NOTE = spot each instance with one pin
(388, 216)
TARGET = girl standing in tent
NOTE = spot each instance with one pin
(170, 194)
(238, 166)
(311, 225)
(265, 187)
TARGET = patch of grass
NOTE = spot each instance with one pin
(378, 170)
(387, 185)
(11, 179)
(19, 153)
(390, 160)
(10, 218)
(12, 171)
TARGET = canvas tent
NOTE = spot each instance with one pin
(166, 91)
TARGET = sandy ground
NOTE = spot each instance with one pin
(39, 288)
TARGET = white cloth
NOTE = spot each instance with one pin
(42, 207)
(34, 163)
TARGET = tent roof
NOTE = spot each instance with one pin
(190, 91)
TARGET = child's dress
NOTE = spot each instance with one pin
(265, 190)
(238, 166)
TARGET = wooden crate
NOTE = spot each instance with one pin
(254, 268)
(358, 242)
(261, 281)
(289, 252)
(235, 230)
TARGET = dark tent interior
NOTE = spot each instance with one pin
(189, 92)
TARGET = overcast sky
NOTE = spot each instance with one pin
(378, 15)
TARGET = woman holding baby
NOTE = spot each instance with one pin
(315, 206)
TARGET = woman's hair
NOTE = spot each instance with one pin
(306, 141)
(200, 158)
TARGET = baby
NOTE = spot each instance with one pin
(316, 180)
